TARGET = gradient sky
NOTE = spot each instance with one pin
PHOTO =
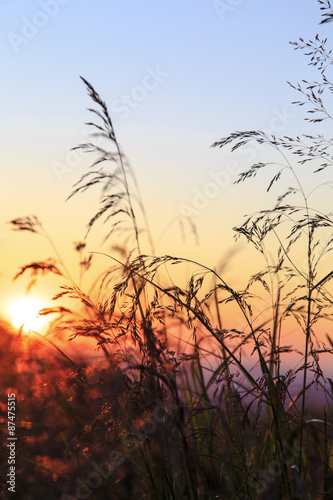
(206, 69)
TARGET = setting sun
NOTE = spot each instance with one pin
(24, 313)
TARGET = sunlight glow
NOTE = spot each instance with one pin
(24, 313)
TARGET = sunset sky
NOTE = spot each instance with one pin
(176, 77)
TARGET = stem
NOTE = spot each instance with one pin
(58, 257)
(309, 281)
(55, 346)
(200, 317)
(307, 338)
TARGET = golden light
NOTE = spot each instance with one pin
(24, 313)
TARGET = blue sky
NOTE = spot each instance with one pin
(176, 76)
(223, 65)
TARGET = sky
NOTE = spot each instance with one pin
(176, 77)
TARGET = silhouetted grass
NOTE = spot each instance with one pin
(189, 417)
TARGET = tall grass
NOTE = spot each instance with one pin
(192, 417)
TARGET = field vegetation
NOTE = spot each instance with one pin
(211, 413)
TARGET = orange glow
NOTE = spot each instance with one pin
(24, 313)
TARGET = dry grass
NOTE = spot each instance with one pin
(187, 418)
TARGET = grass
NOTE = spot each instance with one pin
(169, 416)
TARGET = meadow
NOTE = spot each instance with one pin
(195, 396)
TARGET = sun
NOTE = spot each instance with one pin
(24, 313)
